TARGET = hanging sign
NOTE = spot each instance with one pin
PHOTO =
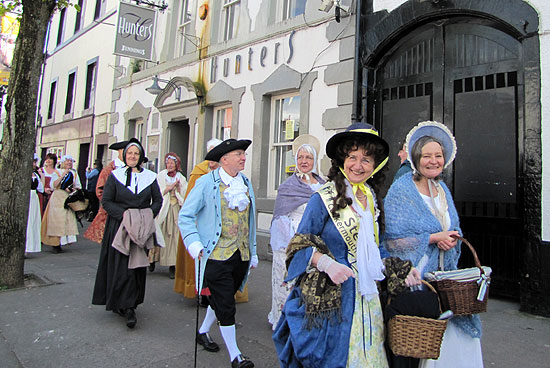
(135, 32)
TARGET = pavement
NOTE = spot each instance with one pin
(51, 322)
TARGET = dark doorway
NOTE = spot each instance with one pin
(469, 76)
(83, 162)
(178, 141)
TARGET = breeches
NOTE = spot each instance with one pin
(224, 278)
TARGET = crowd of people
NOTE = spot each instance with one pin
(339, 247)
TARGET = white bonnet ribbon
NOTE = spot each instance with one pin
(235, 194)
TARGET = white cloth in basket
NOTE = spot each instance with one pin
(462, 275)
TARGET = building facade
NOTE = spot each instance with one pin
(272, 70)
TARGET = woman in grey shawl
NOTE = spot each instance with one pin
(292, 197)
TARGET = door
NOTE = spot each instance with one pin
(469, 77)
(178, 141)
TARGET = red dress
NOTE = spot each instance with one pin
(97, 227)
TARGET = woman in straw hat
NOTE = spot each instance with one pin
(422, 222)
(292, 197)
(332, 317)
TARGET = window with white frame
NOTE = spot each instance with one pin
(285, 127)
(70, 93)
(292, 8)
(139, 130)
(78, 17)
(184, 36)
(91, 76)
(51, 102)
(61, 26)
(222, 123)
(230, 18)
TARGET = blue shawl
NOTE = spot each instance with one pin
(409, 223)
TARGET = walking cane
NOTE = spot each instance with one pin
(197, 316)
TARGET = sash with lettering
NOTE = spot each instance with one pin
(347, 224)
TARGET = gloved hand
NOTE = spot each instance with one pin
(337, 272)
(254, 261)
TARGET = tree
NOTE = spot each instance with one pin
(19, 133)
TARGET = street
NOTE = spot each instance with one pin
(55, 325)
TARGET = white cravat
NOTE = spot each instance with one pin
(236, 190)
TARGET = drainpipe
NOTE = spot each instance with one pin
(357, 66)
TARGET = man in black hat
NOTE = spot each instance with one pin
(97, 227)
(223, 250)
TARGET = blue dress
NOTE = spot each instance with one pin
(327, 346)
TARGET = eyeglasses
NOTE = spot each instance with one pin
(238, 154)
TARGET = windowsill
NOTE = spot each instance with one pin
(68, 116)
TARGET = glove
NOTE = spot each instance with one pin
(337, 272)
(254, 261)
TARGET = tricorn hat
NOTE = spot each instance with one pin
(227, 146)
(118, 145)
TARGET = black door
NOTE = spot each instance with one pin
(178, 141)
(467, 75)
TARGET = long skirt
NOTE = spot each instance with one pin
(34, 222)
(167, 256)
(279, 289)
(58, 221)
(458, 350)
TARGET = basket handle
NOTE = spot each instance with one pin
(433, 289)
(476, 259)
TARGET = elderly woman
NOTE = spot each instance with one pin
(59, 224)
(33, 243)
(332, 317)
(120, 283)
(421, 225)
(292, 197)
(172, 186)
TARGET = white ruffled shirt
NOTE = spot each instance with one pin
(236, 190)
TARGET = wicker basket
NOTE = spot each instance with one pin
(416, 337)
(461, 297)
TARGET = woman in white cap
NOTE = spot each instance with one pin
(292, 197)
(422, 223)
(59, 227)
(33, 243)
(120, 278)
(172, 186)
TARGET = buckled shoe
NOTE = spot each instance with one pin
(205, 340)
(241, 361)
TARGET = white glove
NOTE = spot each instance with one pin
(337, 272)
(254, 261)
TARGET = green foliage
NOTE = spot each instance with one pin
(136, 65)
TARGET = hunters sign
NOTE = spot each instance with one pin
(134, 32)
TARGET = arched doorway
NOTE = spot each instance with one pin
(468, 74)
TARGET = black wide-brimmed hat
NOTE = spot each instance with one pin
(227, 146)
(118, 145)
(361, 131)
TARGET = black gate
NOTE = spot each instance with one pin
(467, 75)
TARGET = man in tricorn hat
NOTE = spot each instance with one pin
(223, 250)
(97, 227)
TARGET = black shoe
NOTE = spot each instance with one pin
(151, 267)
(120, 312)
(205, 340)
(132, 319)
(172, 272)
(57, 249)
(241, 361)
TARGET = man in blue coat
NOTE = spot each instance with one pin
(218, 227)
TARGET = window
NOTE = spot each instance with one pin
(139, 130)
(222, 126)
(51, 104)
(78, 20)
(285, 127)
(97, 12)
(184, 29)
(61, 26)
(70, 93)
(90, 84)
(230, 8)
(292, 8)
